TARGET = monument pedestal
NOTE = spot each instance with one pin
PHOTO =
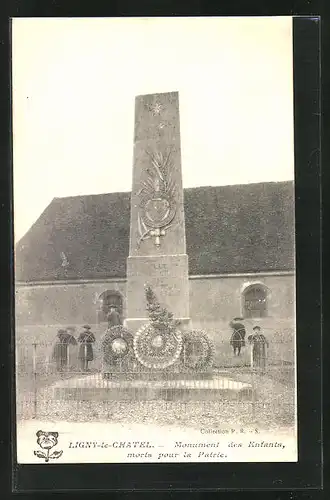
(167, 275)
(95, 388)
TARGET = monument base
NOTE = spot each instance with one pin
(167, 275)
(95, 388)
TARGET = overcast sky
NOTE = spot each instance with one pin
(74, 84)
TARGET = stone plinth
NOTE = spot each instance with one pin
(95, 388)
(168, 277)
(157, 254)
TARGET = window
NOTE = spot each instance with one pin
(255, 302)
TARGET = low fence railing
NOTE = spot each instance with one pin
(249, 389)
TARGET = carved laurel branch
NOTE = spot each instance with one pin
(162, 174)
(143, 230)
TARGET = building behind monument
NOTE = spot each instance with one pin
(71, 264)
(210, 253)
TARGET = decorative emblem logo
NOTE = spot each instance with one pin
(47, 441)
(157, 206)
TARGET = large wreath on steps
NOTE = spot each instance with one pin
(198, 351)
(116, 344)
(157, 349)
(157, 344)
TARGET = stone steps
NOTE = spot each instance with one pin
(95, 387)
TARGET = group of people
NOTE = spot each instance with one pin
(257, 340)
(64, 352)
(65, 340)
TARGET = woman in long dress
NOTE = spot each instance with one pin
(72, 350)
(85, 354)
(259, 345)
(64, 340)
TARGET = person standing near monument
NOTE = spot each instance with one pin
(113, 317)
(63, 341)
(86, 339)
(259, 344)
(72, 349)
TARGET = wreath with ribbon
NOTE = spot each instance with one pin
(198, 350)
(157, 348)
(116, 344)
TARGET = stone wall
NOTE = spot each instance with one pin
(63, 304)
(214, 301)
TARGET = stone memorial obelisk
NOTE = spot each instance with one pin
(157, 254)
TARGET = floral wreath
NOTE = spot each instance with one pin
(157, 348)
(121, 336)
(200, 340)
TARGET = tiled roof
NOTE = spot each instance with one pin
(229, 229)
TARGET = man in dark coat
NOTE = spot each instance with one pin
(259, 344)
(85, 354)
(60, 353)
(113, 317)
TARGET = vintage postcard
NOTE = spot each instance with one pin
(154, 230)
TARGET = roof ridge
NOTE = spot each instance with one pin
(91, 195)
(242, 185)
(184, 189)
